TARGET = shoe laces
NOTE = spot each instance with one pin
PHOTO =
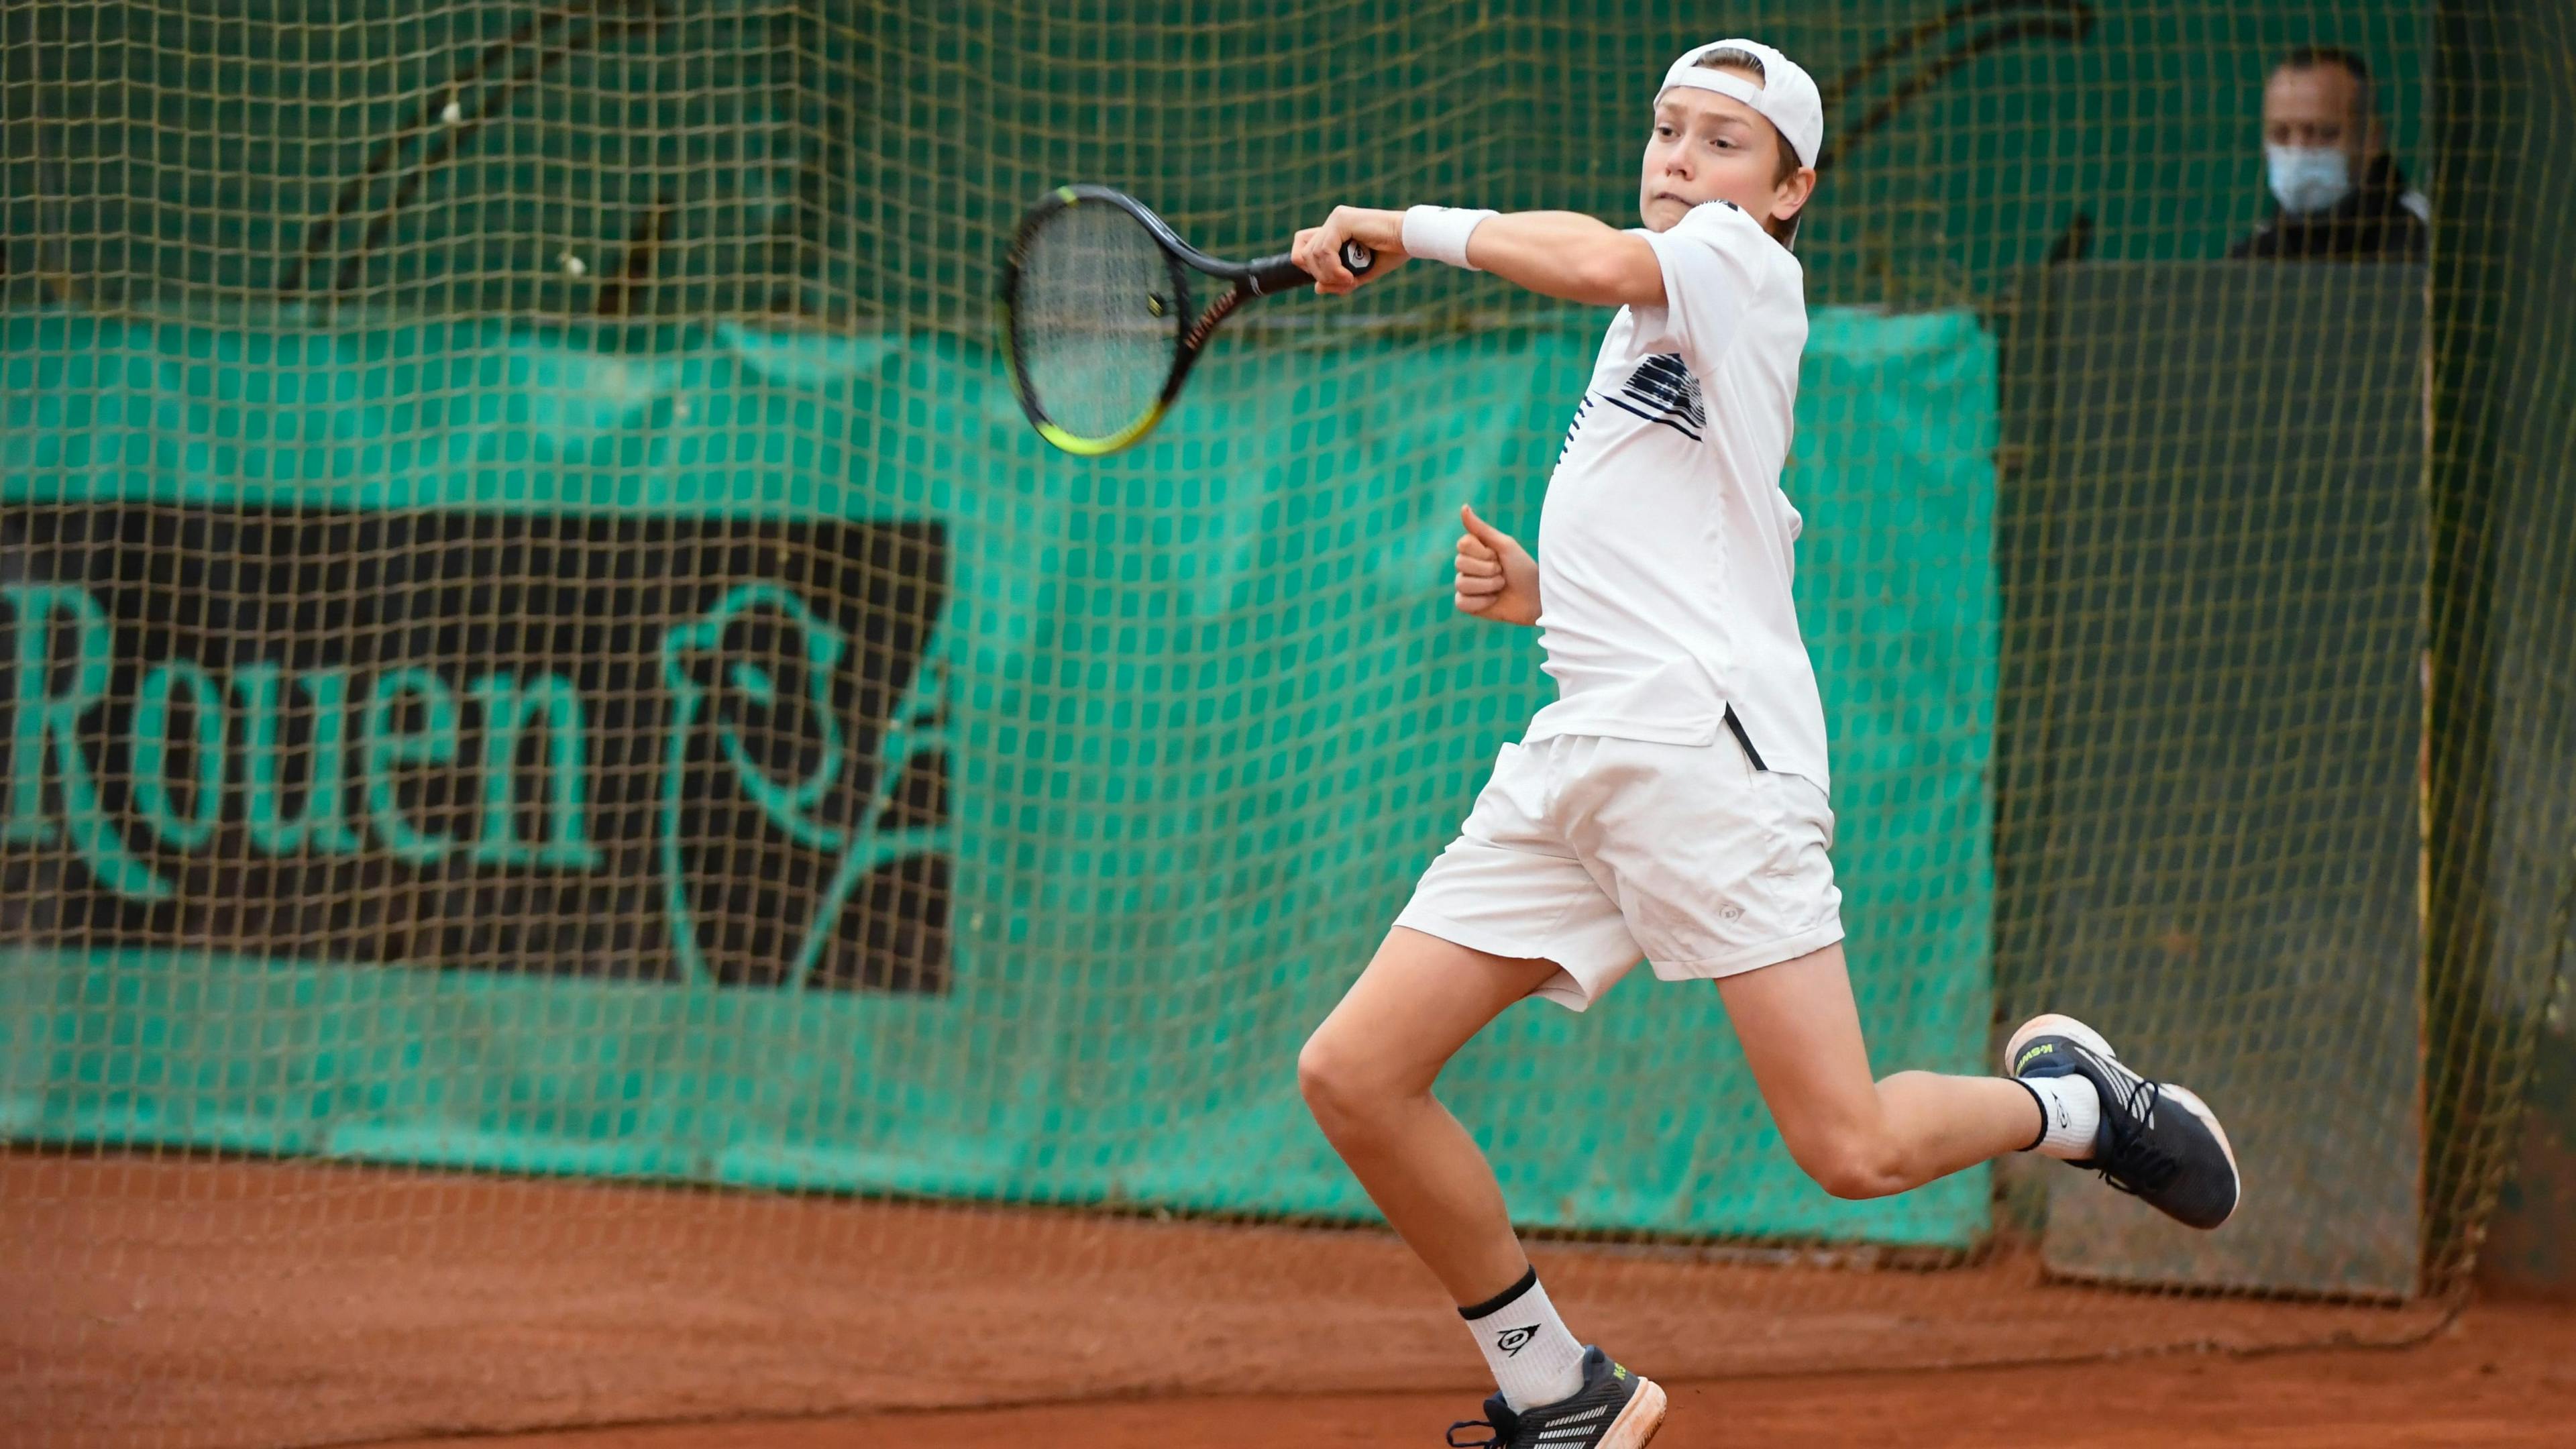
(2136, 1164)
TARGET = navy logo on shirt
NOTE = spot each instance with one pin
(1662, 390)
(1580, 408)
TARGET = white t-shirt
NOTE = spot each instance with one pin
(1665, 544)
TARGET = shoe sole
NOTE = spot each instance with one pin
(2091, 1040)
(1638, 1422)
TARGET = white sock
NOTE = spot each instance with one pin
(2071, 1111)
(1535, 1361)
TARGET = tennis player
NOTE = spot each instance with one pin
(1671, 802)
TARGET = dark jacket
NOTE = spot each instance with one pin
(2372, 224)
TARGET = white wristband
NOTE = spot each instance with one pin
(1439, 233)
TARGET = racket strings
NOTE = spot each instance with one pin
(1098, 322)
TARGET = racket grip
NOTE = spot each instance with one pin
(1278, 274)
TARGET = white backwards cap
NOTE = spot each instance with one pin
(1786, 95)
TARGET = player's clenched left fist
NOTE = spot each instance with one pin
(1497, 578)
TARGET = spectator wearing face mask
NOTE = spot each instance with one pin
(2337, 194)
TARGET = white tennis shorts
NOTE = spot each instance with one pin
(1592, 852)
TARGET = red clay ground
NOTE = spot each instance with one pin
(2506, 1376)
(187, 1303)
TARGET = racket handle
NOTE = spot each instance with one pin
(1278, 274)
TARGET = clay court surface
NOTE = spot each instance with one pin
(164, 1302)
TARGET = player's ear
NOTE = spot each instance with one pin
(1791, 196)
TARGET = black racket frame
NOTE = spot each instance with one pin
(1261, 277)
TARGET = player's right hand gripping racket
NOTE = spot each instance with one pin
(1100, 320)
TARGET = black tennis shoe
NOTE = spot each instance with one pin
(2158, 1142)
(1614, 1409)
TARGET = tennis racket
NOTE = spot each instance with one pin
(1101, 318)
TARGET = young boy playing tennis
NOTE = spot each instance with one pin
(1671, 803)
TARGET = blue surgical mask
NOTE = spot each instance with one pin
(2307, 179)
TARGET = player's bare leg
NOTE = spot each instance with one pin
(1367, 1074)
(1858, 1138)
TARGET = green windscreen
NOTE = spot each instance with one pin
(576, 786)
(590, 722)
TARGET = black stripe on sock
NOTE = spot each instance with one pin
(2042, 1103)
(1502, 1300)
